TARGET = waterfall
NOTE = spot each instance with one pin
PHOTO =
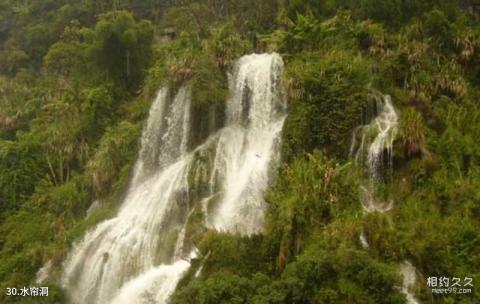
(44, 273)
(374, 150)
(386, 124)
(124, 247)
(363, 240)
(140, 255)
(407, 271)
(372, 147)
(246, 147)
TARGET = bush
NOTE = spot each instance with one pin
(68, 200)
(23, 238)
(117, 149)
(324, 115)
(437, 25)
(20, 169)
(307, 195)
(240, 255)
(220, 288)
(412, 133)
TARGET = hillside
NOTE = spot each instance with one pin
(365, 114)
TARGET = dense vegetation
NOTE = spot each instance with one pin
(77, 78)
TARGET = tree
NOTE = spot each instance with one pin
(122, 47)
(69, 54)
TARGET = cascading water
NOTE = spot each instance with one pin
(375, 148)
(246, 147)
(386, 123)
(363, 240)
(130, 244)
(407, 271)
(140, 255)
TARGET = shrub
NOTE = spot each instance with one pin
(412, 132)
(334, 91)
(117, 149)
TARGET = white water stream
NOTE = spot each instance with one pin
(408, 273)
(139, 256)
(374, 150)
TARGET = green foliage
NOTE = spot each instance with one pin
(122, 47)
(231, 254)
(196, 16)
(50, 127)
(12, 59)
(191, 20)
(209, 84)
(308, 194)
(24, 237)
(226, 44)
(98, 109)
(57, 129)
(70, 118)
(81, 227)
(346, 276)
(69, 54)
(334, 89)
(456, 144)
(21, 170)
(396, 13)
(412, 132)
(67, 200)
(221, 288)
(117, 148)
(315, 7)
(17, 105)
